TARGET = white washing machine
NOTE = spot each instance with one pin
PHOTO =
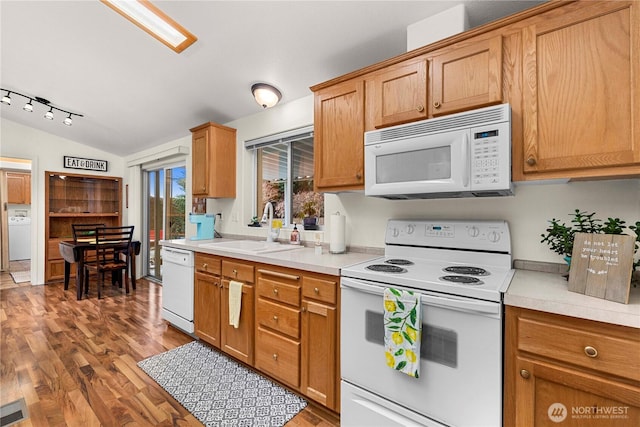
(19, 238)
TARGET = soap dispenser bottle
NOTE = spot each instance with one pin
(295, 235)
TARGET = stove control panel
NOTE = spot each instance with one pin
(455, 234)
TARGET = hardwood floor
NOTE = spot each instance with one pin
(74, 362)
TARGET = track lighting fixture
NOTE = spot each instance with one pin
(265, 94)
(6, 99)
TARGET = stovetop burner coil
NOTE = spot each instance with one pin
(399, 261)
(464, 280)
(466, 269)
(386, 268)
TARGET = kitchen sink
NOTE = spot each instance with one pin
(252, 247)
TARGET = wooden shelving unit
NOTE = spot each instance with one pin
(76, 199)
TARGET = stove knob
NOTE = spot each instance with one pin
(410, 228)
(396, 232)
(494, 236)
(473, 231)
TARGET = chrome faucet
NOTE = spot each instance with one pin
(267, 217)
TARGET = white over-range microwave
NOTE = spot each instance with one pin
(460, 155)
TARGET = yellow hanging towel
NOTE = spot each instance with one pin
(402, 330)
(235, 302)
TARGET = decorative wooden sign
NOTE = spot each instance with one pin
(601, 266)
(85, 164)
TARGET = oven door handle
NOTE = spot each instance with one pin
(470, 305)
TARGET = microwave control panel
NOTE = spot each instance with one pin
(490, 156)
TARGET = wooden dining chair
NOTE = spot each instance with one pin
(112, 255)
(86, 233)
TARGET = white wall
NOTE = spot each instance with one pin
(46, 152)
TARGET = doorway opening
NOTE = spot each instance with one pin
(165, 198)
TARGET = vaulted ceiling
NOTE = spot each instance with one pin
(136, 93)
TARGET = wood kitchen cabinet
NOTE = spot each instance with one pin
(278, 324)
(339, 137)
(320, 353)
(558, 367)
(465, 76)
(207, 298)
(238, 342)
(19, 188)
(213, 155)
(76, 199)
(396, 94)
(581, 86)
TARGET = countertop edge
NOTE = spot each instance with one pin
(548, 292)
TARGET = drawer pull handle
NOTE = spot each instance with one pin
(204, 266)
(590, 351)
(275, 292)
(275, 318)
(316, 291)
(275, 356)
(525, 374)
(278, 274)
(235, 272)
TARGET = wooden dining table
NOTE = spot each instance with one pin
(73, 252)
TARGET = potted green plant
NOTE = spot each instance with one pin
(560, 236)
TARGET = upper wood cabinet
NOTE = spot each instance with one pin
(339, 137)
(19, 188)
(397, 94)
(213, 155)
(581, 86)
(465, 76)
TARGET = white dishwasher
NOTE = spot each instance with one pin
(177, 287)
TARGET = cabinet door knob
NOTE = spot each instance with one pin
(275, 356)
(235, 272)
(204, 266)
(531, 161)
(420, 108)
(316, 291)
(590, 351)
(525, 374)
(304, 309)
(275, 318)
(358, 176)
(436, 104)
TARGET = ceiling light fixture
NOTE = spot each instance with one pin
(155, 22)
(29, 106)
(266, 95)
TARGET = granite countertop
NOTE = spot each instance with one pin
(548, 292)
(303, 258)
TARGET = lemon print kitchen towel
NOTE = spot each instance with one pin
(402, 330)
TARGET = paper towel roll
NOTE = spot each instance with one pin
(336, 238)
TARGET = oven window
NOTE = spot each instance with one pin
(419, 165)
(437, 345)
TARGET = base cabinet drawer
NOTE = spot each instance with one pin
(278, 356)
(279, 318)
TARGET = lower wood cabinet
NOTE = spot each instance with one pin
(238, 342)
(288, 324)
(207, 298)
(570, 372)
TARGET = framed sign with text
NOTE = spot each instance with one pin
(85, 164)
(601, 266)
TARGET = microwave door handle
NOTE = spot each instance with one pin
(465, 160)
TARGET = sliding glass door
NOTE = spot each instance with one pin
(165, 212)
